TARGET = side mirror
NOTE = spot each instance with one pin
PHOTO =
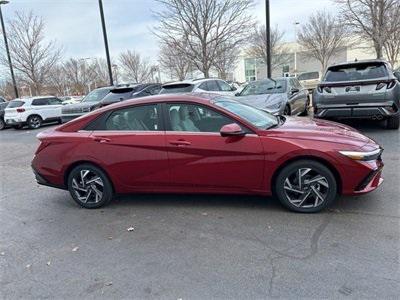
(294, 91)
(231, 130)
(233, 88)
(237, 94)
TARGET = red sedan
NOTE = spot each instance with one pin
(205, 144)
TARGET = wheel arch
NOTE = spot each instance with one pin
(323, 161)
(34, 114)
(81, 162)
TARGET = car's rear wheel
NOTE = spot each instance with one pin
(2, 124)
(393, 122)
(34, 122)
(89, 186)
(306, 186)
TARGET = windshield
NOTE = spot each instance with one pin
(258, 118)
(177, 88)
(264, 87)
(96, 95)
(356, 72)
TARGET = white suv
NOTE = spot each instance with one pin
(33, 111)
(208, 85)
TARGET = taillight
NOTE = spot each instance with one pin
(391, 84)
(42, 145)
(380, 85)
(20, 110)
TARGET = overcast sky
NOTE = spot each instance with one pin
(75, 24)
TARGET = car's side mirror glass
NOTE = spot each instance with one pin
(232, 130)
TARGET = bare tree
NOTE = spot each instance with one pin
(225, 60)
(371, 19)
(202, 28)
(57, 79)
(174, 61)
(80, 74)
(322, 37)
(258, 46)
(32, 56)
(134, 67)
(391, 43)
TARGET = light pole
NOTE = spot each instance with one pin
(103, 24)
(295, 49)
(268, 37)
(3, 2)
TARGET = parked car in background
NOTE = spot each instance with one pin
(33, 111)
(206, 143)
(3, 106)
(88, 103)
(71, 99)
(133, 91)
(309, 80)
(2, 100)
(209, 85)
(362, 89)
(281, 96)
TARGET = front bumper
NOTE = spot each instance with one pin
(378, 111)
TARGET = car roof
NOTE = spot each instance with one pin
(33, 98)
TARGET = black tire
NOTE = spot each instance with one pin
(393, 122)
(287, 196)
(17, 127)
(34, 122)
(2, 124)
(305, 111)
(76, 187)
(286, 111)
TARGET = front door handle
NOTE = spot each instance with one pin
(101, 139)
(180, 143)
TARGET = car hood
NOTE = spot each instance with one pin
(261, 101)
(322, 130)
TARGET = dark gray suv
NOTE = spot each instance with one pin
(362, 89)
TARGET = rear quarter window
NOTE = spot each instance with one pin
(14, 104)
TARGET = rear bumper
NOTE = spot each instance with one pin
(14, 121)
(377, 111)
(40, 179)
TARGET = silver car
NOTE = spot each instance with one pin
(362, 89)
(281, 96)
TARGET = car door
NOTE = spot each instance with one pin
(53, 108)
(200, 157)
(131, 143)
(40, 106)
(295, 97)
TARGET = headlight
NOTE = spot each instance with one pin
(365, 156)
(274, 106)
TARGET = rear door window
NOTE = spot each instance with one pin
(54, 101)
(224, 86)
(177, 88)
(356, 72)
(40, 102)
(213, 86)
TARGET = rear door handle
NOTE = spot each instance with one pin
(180, 143)
(101, 139)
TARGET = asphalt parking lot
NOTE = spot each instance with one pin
(194, 247)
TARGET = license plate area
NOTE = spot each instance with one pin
(352, 89)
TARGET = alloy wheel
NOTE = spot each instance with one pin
(306, 188)
(35, 122)
(88, 186)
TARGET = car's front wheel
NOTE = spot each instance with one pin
(306, 186)
(89, 186)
